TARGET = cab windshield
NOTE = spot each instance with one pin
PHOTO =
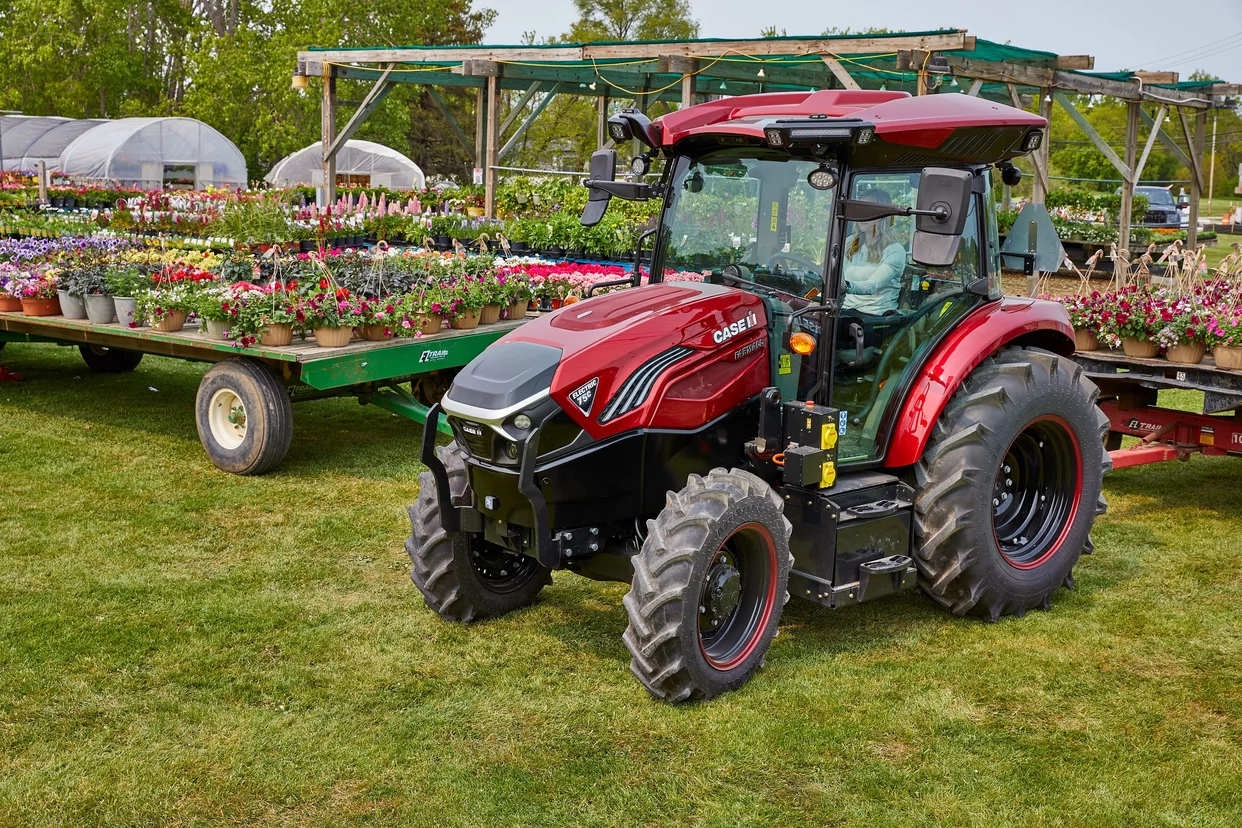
(753, 209)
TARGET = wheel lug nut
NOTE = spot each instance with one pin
(1009, 482)
(995, 501)
(1006, 470)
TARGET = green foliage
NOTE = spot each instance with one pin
(632, 20)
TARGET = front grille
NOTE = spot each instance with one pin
(633, 392)
(476, 444)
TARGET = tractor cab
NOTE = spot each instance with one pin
(840, 405)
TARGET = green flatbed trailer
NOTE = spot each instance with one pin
(244, 402)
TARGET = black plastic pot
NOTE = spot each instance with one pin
(519, 248)
(306, 245)
(442, 242)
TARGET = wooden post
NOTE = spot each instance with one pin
(480, 120)
(1040, 184)
(493, 139)
(1127, 183)
(1196, 184)
(43, 182)
(328, 129)
(601, 121)
(687, 91)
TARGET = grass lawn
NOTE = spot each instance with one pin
(180, 646)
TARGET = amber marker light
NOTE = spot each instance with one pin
(801, 343)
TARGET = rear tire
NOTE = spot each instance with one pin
(461, 576)
(709, 586)
(244, 417)
(1010, 485)
(109, 360)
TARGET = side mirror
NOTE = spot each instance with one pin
(603, 168)
(944, 201)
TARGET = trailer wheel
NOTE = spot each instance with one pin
(709, 586)
(245, 417)
(1009, 485)
(109, 360)
(460, 575)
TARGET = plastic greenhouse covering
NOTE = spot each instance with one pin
(363, 162)
(152, 152)
(27, 140)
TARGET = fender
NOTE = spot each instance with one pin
(1012, 320)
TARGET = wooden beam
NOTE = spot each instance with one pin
(1043, 153)
(1168, 142)
(1079, 62)
(519, 106)
(838, 71)
(374, 98)
(975, 86)
(1090, 85)
(1127, 186)
(1196, 186)
(1151, 139)
(762, 47)
(1039, 186)
(327, 127)
(1157, 77)
(601, 121)
(687, 91)
(452, 122)
(530, 119)
(1122, 167)
(493, 138)
(1196, 158)
(443, 54)
(480, 128)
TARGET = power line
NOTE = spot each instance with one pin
(1179, 56)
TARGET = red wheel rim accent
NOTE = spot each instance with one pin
(754, 622)
(1037, 492)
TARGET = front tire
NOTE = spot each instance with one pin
(709, 586)
(1010, 485)
(461, 576)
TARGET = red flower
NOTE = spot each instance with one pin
(323, 284)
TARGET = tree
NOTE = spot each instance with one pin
(632, 20)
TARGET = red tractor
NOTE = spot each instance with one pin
(844, 407)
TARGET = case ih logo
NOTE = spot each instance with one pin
(731, 330)
(432, 356)
(472, 429)
(584, 395)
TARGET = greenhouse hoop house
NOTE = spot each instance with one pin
(155, 153)
(358, 162)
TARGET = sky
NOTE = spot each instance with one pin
(1121, 34)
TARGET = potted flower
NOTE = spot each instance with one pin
(1084, 314)
(36, 288)
(495, 297)
(379, 316)
(467, 299)
(9, 301)
(214, 310)
(331, 314)
(1132, 316)
(69, 289)
(123, 284)
(1183, 332)
(1224, 334)
(167, 307)
(520, 294)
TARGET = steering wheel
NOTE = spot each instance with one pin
(806, 264)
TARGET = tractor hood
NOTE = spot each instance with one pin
(607, 361)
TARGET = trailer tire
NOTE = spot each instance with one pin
(1010, 485)
(244, 417)
(109, 360)
(710, 583)
(460, 576)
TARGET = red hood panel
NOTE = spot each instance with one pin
(605, 339)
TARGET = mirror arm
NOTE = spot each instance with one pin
(624, 189)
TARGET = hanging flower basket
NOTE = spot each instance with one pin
(1140, 348)
(432, 323)
(1228, 357)
(489, 314)
(374, 333)
(467, 319)
(518, 309)
(1186, 353)
(1085, 340)
(277, 335)
(333, 337)
(171, 322)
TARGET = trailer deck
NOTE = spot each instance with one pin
(371, 371)
(1129, 387)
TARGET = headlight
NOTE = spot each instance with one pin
(522, 421)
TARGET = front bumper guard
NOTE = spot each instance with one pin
(467, 518)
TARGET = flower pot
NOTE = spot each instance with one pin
(489, 314)
(41, 307)
(306, 245)
(441, 241)
(277, 336)
(218, 328)
(1228, 357)
(474, 212)
(1085, 340)
(10, 304)
(171, 323)
(126, 307)
(333, 337)
(375, 333)
(71, 307)
(100, 309)
(1140, 348)
(1186, 353)
(518, 309)
(432, 323)
(468, 319)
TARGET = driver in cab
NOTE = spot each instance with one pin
(875, 259)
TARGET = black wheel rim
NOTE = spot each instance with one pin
(1037, 491)
(499, 570)
(737, 596)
